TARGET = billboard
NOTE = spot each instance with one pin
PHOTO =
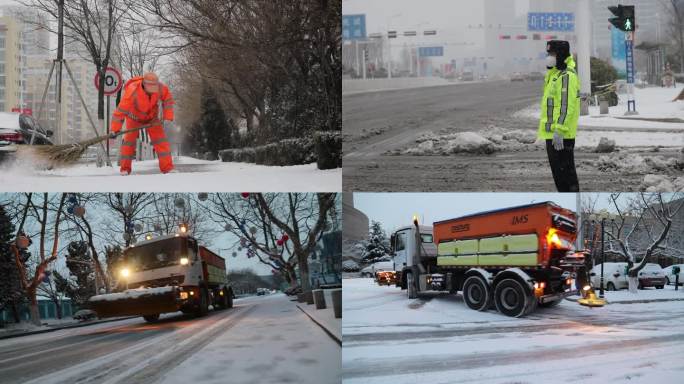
(551, 21)
(430, 51)
(618, 61)
(353, 27)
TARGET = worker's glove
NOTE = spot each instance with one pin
(113, 135)
(557, 141)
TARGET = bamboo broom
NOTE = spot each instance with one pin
(68, 154)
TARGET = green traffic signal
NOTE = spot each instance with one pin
(624, 17)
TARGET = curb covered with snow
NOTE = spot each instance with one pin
(324, 318)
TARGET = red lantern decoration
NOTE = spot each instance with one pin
(22, 242)
(279, 242)
(285, 237)
(245, 195)
(79, 211)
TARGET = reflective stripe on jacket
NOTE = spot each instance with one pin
(560, 104)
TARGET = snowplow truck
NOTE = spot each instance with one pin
(167, 274)
(512, 259)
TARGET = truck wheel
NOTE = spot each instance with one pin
(476, 293)
(203, 309)
(660, 286)
(229, 298)
(411, 286)
(151, 318)
(512, 299)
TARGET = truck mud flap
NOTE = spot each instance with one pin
(135, 303)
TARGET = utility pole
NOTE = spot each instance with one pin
(583, 31)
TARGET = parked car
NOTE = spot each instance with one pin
(517, 76)
(17, 129)
(670, 277)
(614, 276)
(652, 275)
(467, 76)
(85, 315)
(535, 76)
(370, 270)
(262, 291)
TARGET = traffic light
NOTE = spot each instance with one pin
(624, 19)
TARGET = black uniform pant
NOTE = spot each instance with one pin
(563, 165)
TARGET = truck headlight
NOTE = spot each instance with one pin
(184, 261)
(125, 272)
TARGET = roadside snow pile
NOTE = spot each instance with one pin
(630, 163)
(662, 183)
(493, 139)
(605, 145)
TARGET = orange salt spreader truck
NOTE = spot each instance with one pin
(512, 259)
(167, 274)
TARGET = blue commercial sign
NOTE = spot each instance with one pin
(630, 61)
(618, 52)
(550, 21)
(430, 51)
(353, 27)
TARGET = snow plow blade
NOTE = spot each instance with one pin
(136, 302)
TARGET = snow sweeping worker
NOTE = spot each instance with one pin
(560, 107)
(139, 108)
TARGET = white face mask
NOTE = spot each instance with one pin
(550, 61)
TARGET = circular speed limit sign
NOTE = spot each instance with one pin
(112, 81)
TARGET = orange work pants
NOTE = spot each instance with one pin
(158, 140)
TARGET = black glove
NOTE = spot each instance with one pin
(113, 135)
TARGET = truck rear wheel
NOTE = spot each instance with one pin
(411, 286)
(476, 293)
(151, 318)
(512, 299)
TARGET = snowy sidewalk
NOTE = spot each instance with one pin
(275, 343)
(325, 318)
(193, 176)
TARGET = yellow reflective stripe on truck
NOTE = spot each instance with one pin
(519, 250)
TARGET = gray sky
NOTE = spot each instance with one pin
(397, 209)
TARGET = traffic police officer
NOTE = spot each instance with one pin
(560, 106)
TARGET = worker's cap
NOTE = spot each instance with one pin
(151, 82)
(559, 47)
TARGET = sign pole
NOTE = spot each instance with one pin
(629, 62)
(108, 124)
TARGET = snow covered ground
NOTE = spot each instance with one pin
(277, 343)
(193, 176)
(263, 339)
(437, 339)
(631, 131)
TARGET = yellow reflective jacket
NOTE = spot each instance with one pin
(560, 105)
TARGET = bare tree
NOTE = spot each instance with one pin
(49, 289)
(261, 222)
(44, 215)
(649, 214)
(675, 8)
(92, 25)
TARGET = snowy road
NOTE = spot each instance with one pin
(384, 151)
(238, 344)
(192, 175)
(436, 338)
